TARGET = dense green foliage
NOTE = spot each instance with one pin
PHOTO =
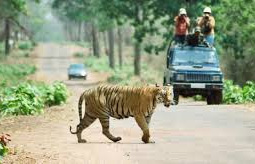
(54, 94)
(23, 99)
(235, 94)
(3, 151)
(25, 45)
(13, 73)
(30, 99)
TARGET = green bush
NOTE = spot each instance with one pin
(23, 99)
(3, 151)
(55, 94)
(198, 98)
(11, 73)
(30, 99)
(232, 93)
(249, 92)
(235, 94)
(25, 45)
(78, 54)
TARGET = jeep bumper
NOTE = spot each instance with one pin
(190, 89)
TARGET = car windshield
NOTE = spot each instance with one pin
(77, 66)
(194, 57)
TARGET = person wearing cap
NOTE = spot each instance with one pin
(182, 23)
(195, 38)
(207, 24)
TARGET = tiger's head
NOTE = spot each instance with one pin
(165, 95)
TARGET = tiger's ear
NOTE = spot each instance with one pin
(158, 90)
(163, 91)
(157, 85)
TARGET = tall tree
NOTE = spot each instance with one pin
(120, 43)
(9, 11)
(111, 48)
(95, 39)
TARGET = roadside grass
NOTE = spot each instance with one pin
(11, 74)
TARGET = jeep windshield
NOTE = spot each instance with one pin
(193, 57)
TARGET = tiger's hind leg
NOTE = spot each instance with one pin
(142, 123)
(105, 127)
(86, 122)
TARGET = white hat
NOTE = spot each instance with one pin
(182, 11)
(207, 10)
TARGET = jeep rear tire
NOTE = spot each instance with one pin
(210, 99)
(176, 98)
(218, 97)
(215, 97)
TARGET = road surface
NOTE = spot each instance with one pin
(190, 132)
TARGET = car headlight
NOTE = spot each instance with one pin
(83, 73)
(216, 78)
(180, 77)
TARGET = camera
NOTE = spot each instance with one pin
(206, 17)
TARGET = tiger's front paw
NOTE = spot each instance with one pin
(146, 139)
(82, 141)
(117, 139)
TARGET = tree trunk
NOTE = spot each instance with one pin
(7, 36)
(79, 30)
(87, 32)
(120, 41)
(137, 59)
(95, 41)
(138, 42)
(105, 43)
(111, 47)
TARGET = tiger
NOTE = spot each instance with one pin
(120, 102)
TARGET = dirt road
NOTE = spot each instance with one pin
(188, 133)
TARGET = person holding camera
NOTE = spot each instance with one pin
(195, 38)
(182, 23)
(207, 24)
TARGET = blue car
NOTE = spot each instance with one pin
(194, 70)
(77, 71)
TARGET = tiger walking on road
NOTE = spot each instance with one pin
(120, 102)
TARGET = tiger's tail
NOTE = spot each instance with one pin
(82, 97)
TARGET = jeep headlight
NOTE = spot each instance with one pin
(180, 77)
(216, 78)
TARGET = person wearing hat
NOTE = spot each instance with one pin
(195, 38)
(182, 23)
(207, 24)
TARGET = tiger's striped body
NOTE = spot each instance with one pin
(120, 102)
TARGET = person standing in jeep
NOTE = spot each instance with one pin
(207, 24)
(182, 24)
